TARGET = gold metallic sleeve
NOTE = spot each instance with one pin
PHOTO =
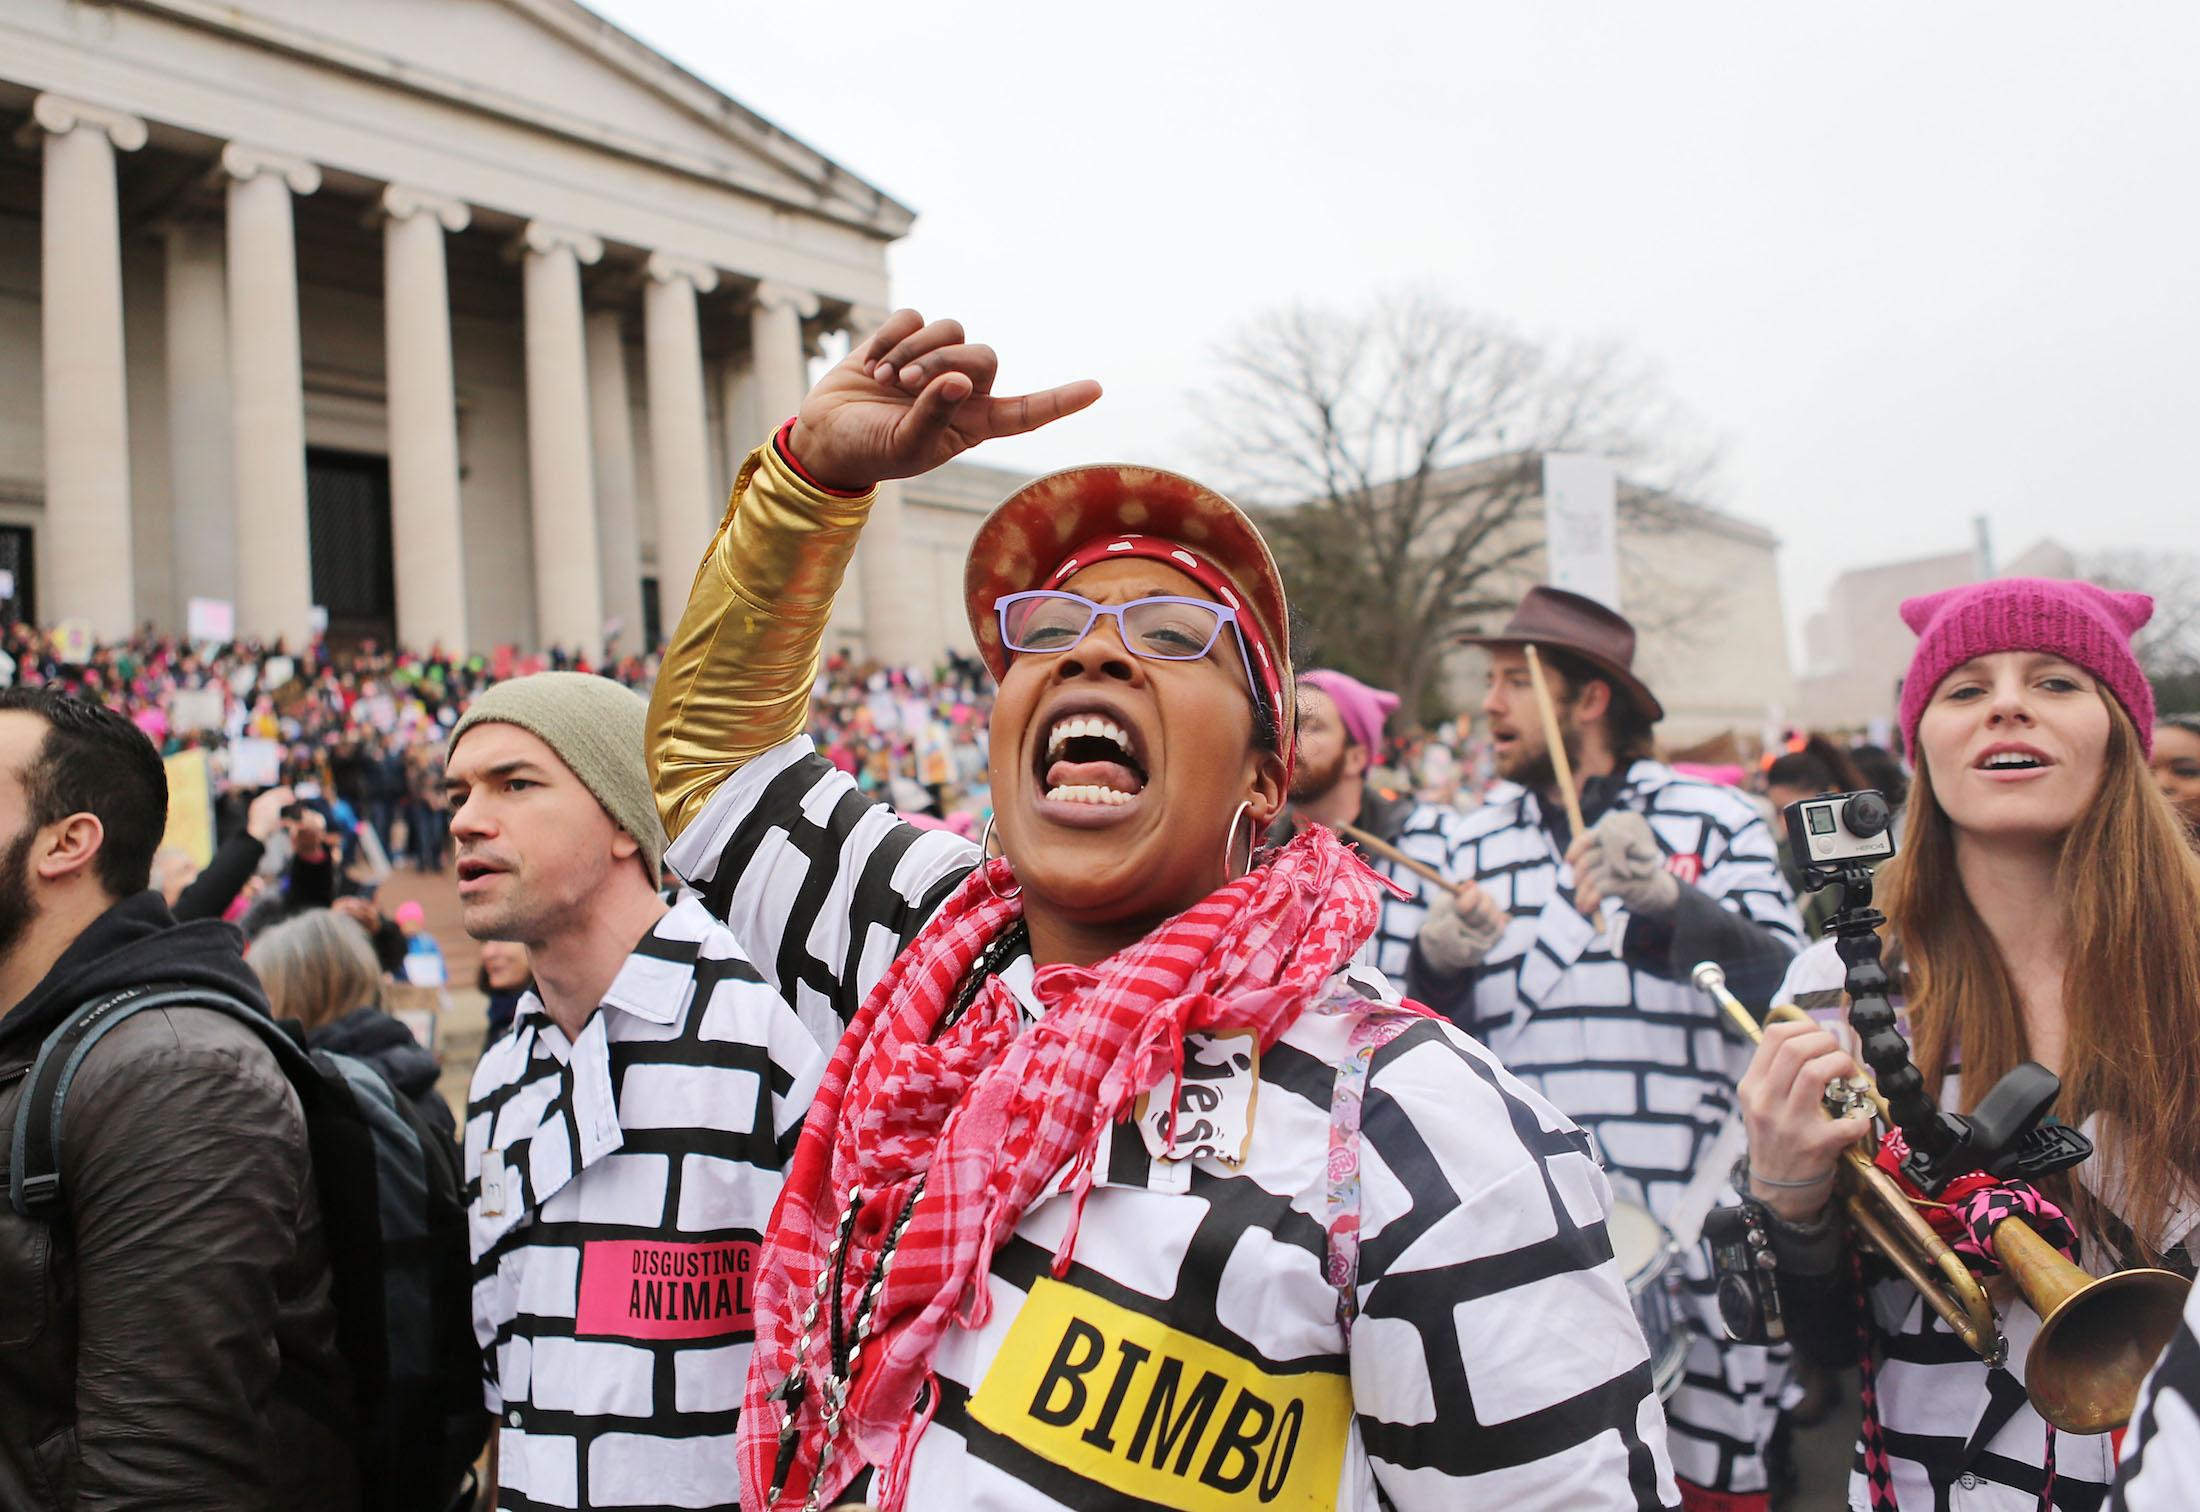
(736, 678)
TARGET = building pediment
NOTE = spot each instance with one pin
(555, 66)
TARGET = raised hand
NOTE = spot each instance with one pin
(910, 396)
(265, 816)
(1619, 858)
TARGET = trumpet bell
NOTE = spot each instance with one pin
(2095, 1348)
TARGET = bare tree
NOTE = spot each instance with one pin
(1397, 456)
(2168, 647)
(2170, 642)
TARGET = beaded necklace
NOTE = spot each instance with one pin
(846, 1339)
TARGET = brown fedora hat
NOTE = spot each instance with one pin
(1554, 620)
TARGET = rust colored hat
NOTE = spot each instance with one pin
(1553, 619)
(1036, 536)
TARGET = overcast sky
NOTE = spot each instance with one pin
(1911, 262)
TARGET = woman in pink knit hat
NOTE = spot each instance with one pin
(2043, 908)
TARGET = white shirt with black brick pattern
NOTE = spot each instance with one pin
(2160, 1471)
(1960, 1434)
(1192, 1356)
(1639, 1058)
(618, 1186)
(1434, 836)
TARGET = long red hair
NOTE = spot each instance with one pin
(2130, 886)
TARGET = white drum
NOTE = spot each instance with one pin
(1652, 1265)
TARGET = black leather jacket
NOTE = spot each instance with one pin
(168, 1340)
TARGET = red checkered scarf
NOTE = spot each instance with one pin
(991, 1117)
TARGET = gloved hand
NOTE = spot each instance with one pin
(1619, 858)
(1456, 939)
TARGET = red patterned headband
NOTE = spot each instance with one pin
(1208, 576)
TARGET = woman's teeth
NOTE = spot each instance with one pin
(1094, 725)
(1086, 792)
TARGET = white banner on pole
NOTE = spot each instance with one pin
(1581, 526)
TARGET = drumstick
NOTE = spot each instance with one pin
(1561, 766)
(1387, 851)
(1391, 852)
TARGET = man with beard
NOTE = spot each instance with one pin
(166, 1334)
(1340, 740)
(1570, 960)
(624, 1142)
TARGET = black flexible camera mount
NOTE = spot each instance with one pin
(2010, 1135)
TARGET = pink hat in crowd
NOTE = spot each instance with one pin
(410, 914)
(2085, 625)
(1362, 708)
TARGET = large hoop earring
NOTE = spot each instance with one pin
(985, 854)
(1229, 838)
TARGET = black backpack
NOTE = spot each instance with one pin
(393, 1207)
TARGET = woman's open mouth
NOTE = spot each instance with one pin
(2012, 761)
(1088, 766)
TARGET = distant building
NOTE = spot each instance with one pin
(1702, 586)
(941, 512)
(1856, 648)
(445, 320)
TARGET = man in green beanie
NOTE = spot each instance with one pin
(623, 1141)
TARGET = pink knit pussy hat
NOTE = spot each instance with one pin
(2087, 626)
(1362, 709)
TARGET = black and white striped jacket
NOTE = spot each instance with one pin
(1429, 834)
(1624, 1044)
(2160, 1471)
(618, 1188)
(1193, 1357)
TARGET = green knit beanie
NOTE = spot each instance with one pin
(598, 730)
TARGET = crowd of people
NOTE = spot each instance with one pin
(359, 735)
(1113, 1070)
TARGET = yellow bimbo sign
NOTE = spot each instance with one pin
(1127, 1401)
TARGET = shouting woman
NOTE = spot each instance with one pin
(1124, 1188)
(2042, 909)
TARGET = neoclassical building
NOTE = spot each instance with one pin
(444, 320)
(448, 321)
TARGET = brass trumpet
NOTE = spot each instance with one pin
(2098, 1337)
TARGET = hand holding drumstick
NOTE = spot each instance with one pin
(1455, 938)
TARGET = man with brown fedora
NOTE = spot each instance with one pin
(1569, 957)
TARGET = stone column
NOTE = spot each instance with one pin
(560, 461)
(87, 428)
(745, 426)
(882, 568)
(267, 394)
(778, 356)
(427, 541)
(679, 427)
(611, 423)
(201, 493)
(779, 375)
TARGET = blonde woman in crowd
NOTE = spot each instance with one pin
(320, 969)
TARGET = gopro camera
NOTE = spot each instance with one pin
(1840, 829)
